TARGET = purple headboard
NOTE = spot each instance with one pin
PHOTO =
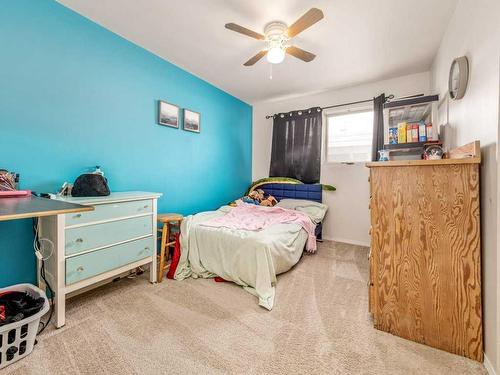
(312, 192)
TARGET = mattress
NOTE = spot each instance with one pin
(251, 259)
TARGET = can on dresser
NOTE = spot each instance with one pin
(393, 135)
(409, 133)
(428, 132)
(422, 134)
(414, 133)
(402, 132)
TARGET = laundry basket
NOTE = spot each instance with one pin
(17, 339)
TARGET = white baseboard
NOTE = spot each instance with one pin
(489, 367)
(349, 241)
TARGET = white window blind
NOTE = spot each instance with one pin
(349, 136)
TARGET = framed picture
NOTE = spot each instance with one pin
(191, 121)
(168, 114)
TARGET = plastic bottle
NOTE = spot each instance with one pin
(98, 170)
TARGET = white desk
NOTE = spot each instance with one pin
(29, 207)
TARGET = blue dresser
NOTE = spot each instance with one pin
(93, 247)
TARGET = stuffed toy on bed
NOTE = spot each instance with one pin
(270, 201)
(258, 198)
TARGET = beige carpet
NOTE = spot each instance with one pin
(319, 325)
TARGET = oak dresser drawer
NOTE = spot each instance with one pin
(84, 266)
(90, 237)
(110, 211)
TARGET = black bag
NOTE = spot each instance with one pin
(90, 185)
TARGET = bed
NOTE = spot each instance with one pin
(310, 192)
(248, 258)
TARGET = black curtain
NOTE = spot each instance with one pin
(296, 149)
(378, 125)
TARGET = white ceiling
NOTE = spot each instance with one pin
(357, 41)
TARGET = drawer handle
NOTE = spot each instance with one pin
(146, 206)
(80, 240)
(80, 269)
(77, 216)
(146, 249)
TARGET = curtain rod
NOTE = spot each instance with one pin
(390, 97)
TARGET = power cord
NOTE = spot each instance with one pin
(51, 307)
(38, 252)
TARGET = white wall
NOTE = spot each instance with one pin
(348, 218)
(474, 31)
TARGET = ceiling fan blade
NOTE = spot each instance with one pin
(256, 58)
(300, 54)
(244, 31)
(312, 16)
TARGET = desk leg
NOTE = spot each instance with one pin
(60, 296)
(52, 228)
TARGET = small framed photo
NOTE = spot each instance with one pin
(168, 114)
(191, 121)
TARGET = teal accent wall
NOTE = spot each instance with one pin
(74, 95)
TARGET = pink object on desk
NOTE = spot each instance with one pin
(15, 193)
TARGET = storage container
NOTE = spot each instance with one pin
(17, 339)
(407, 112)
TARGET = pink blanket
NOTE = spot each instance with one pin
(252, 217)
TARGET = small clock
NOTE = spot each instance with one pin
(459, 76)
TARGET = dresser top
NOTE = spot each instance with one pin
(124, 196)
(411, 163)
(469, 153)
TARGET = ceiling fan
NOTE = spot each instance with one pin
(277, 36)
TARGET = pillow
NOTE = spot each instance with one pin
(315, 210)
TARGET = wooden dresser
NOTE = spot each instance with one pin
(425, 257)
(119, 235)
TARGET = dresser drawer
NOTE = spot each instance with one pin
(110, 211)
(92, 236)
(83, 266)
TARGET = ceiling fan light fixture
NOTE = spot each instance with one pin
(277, 35)
(276, 55)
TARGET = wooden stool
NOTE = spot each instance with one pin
(169, 221)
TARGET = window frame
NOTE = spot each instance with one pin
(364, 107)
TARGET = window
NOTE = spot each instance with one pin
(349, 136)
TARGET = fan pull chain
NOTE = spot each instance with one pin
(271, 71)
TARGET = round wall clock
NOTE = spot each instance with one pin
(459, 76)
